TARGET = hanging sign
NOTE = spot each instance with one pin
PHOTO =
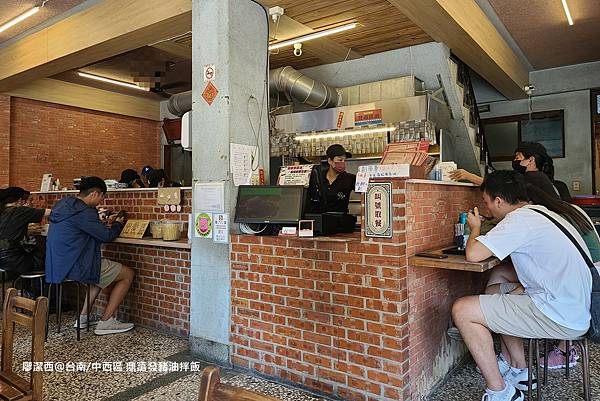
(210, 93)
(378, 210)
(209, 72)
(368, 117)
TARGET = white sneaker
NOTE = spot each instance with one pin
(84, 321)
(112, 326)
(512, 394)
(519, 379)
(503, 365)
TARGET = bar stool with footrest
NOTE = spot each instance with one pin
(39, 275)
(59, 305)
(533, 357)
(13, 386)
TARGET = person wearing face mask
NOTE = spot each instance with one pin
(330, 185)
(531, 160)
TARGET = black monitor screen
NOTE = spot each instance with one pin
(269, 204)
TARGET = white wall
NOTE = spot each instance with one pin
(577, 163)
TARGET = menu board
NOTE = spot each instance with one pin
(134, 229)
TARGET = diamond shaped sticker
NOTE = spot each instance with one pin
(210, 93)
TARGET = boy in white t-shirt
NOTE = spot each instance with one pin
(554, 300)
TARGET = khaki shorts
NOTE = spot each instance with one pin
(109, 271)
(517, 315)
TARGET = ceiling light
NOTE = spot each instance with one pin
(112, 81)
(567, 12)
(20, 18)
(311, 36)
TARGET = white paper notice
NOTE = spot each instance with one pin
(241, 157)
(221, 228)
(362, 181)
(209, 197)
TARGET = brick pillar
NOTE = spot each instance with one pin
(4, 140)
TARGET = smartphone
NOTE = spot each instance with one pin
(432, 255)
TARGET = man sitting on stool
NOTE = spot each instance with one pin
(73, 252)
(553, 300)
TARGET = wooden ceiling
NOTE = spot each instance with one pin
(382, 27)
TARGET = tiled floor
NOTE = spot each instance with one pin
(148, 346)
(140, 345)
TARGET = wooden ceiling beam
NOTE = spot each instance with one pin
(470, 35)
(107, 29)
(69, 94)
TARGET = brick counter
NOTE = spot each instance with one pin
(160, 294)
(351, 319)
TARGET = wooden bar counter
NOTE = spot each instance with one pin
(452, 262)
(355, 317)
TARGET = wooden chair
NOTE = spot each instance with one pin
(12, 386)
(211, 389)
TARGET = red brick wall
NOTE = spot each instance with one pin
(70, 142)
(431, 211)
(352, 319)
(160, 294)
(329, 316)
(4, 140)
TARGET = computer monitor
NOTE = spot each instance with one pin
(270, 204)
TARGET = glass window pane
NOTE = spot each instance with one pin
(547, 131)
(502, 138)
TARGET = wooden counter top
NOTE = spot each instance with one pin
(180, 244)
(453, 262)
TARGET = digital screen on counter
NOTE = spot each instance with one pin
(270, 204)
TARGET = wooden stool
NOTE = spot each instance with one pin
(13, 387)
(211, 389)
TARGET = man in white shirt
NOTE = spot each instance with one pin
(554, 300)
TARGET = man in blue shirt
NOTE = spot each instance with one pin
(73, 252)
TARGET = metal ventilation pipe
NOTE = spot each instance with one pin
(302, 88)
(180, 103)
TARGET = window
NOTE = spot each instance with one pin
(503, 134)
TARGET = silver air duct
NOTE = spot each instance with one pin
(180, 104)
(302, 88)
(287, 80)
